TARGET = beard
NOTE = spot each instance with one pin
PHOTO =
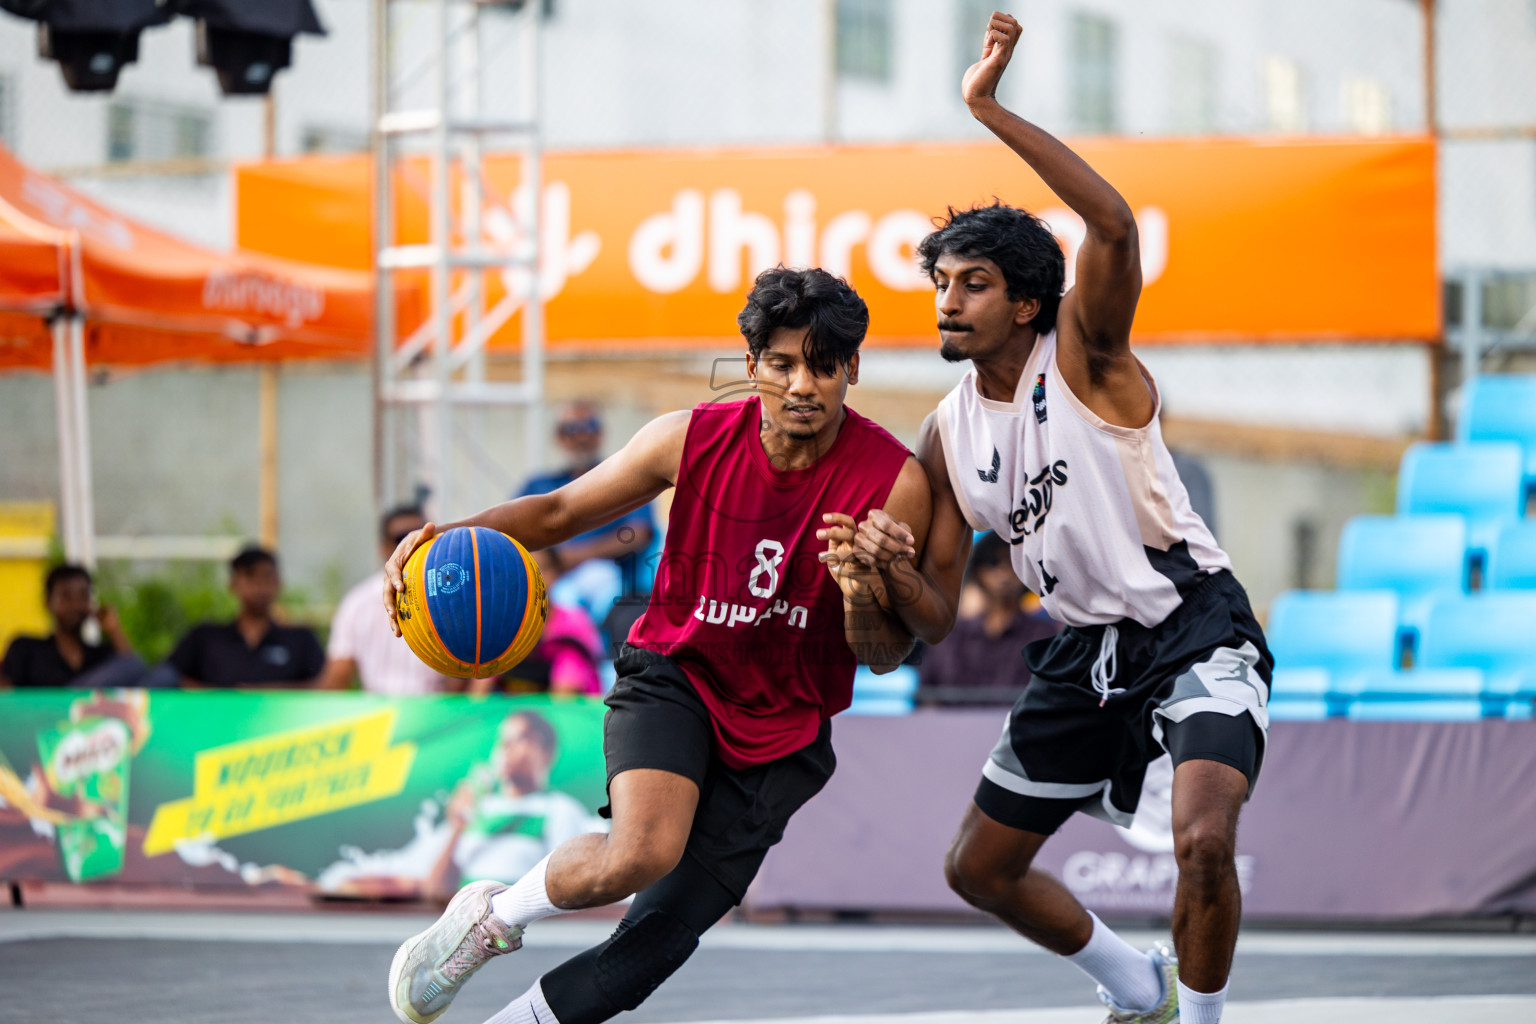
(950, 353)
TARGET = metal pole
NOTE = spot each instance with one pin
(87, 512)
(69, 509)
(533, 306)
(442, 312)
(1471, 329)
(383, 280)
(266, 402)
(266, 425)
(829, 72)
(472, 187)
(1431, 115)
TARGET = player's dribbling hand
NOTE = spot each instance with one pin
(980, 81)
(394, 569)
(882, 539)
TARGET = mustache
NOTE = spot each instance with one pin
(954, 326)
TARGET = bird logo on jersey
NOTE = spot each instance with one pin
(997, 464)
(1039, 398)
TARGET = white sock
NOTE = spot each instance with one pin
(1130, 976)
(525, 901)
(1201, 1007)
(528, 1008)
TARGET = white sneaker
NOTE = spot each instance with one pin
(1167, 1010)
(429, 968)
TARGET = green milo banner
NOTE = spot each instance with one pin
(342, 794)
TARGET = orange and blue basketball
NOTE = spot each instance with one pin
(474, 602)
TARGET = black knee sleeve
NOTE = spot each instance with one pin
(642, 957)
(622, 972)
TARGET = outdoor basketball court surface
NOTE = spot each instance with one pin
(78, 967)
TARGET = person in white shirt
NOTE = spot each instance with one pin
(362, 643)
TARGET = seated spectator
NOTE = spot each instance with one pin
(604, 564)
(66, 658)
(252, 651)
(982, 659)
(361, 641)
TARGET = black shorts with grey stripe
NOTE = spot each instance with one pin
(1196, 686)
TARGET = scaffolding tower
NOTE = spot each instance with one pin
(428, 84)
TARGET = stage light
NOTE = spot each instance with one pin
(90, 39)
(246, 42)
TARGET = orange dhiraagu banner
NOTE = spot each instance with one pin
(1241, 240)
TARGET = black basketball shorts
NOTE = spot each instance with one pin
(656, 720)
(1196, 686)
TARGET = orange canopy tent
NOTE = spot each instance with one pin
(146, 296)
(79, 283)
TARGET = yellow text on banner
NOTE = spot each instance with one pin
(283, 777)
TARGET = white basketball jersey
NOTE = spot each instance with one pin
(1099, 521)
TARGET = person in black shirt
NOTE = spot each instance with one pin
(64, 657)
(979, 662)
(252, 651)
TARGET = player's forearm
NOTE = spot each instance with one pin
(920, 604)
(1105, 213)
(877, 638)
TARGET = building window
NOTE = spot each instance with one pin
(1094, 51)
(139, 130)
(1367, 105)
(324, 139)
(864, 39)
(1191, 86)
(1284, 96)
(972, 18)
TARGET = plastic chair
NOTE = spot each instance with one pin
(1339, 631)
(1418, 695)
(1299, 695)
(1483, 481)
(1512, 559)
(1501, 407)
(1414, 555)
(890, 694)
(1494, 631)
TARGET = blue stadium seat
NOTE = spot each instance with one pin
(1501, 407)
(1418, 695)
(1512, 559)
(1494, 631)
(1414, 555)
(890, 694)
(1339, 631)
(1483, 481)
(1300, 695)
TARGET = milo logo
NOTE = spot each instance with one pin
(86, 752)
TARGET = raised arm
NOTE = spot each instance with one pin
(634, 475)
(1094, 323)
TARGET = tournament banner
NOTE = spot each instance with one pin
(339, 794)
(1350, 821)
(1242, 240)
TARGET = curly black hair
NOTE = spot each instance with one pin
(836, 316)
(1019, 243)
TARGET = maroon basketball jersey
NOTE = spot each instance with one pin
(741, 602)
